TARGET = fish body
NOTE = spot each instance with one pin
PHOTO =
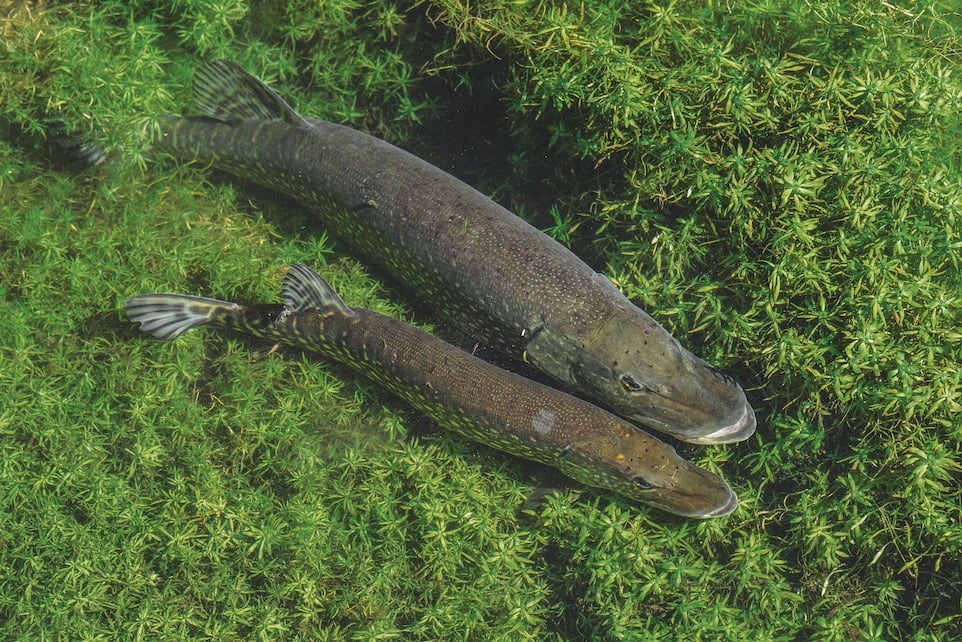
(497, 276)
(458, 390)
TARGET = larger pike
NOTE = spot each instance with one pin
(460, 391)
(497, 275)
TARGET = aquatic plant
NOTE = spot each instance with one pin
(777, 182)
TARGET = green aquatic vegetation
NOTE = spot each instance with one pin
(777, 182)
(60, 61)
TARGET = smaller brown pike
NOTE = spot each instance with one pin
(461, 392)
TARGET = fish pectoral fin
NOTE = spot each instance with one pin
(305, 289)
(550, 352)
(224, 91)
(538, 497)
(263, 354)
(531, 351)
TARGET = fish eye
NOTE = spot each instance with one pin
(630, 384)
(641, 483)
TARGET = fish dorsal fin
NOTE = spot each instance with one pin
(224, 91)
(304, 289)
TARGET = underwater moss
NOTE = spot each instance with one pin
(778, 183)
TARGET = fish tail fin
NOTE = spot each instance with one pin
(167, 316)
(73, 148)
(224, 91)
(305, 289)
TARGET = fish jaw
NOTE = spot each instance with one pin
(741, 428)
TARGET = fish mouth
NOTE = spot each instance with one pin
(723, 509)
(718, 501)
(741, 429)
(698, 493)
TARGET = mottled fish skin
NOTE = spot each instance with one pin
(494, 274)
(458, 390)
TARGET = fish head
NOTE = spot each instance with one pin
(634, 464)
(635, 366)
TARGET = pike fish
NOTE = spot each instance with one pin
(458, 390)
(489, 271)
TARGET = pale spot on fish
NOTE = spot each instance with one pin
(543, 422)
